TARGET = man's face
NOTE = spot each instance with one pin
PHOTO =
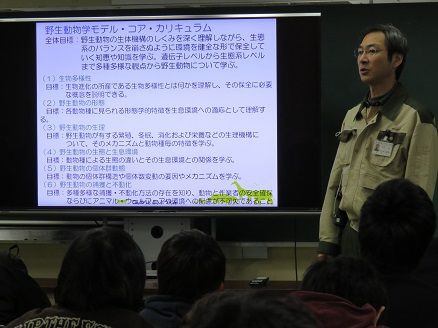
(374, 66)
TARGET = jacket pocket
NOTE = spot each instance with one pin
(387, 137)
(380, 160)
(369, 181)
(385, 167)
(346, 143)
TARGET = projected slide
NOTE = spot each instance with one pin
(171, 113)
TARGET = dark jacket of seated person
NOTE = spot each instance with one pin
(165, 311)
(190, 264)
(100, 285)
(427, 270)
(412, 303)
(19, 292)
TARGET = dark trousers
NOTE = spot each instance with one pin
(350, 242)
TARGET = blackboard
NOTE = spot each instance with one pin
(341, 89)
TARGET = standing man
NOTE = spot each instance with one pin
(386, 136)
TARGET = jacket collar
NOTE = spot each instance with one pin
(391, 106)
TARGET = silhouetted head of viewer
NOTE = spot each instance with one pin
(190, 264)
(19, 292)
(248, 309)
(397, 223)
(103, 268)
(353, 279)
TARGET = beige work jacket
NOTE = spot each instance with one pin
(400, 141)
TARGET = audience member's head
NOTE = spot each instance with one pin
(397, 223)
(190, 264)
(10, 259)
(239, 309)
(353, 279)
(19, 292)
(103, 268)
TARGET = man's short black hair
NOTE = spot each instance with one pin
(353, 279)
(395, 42)
(248, 309)
(397, 223)
(103, 268)
(190, 264)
